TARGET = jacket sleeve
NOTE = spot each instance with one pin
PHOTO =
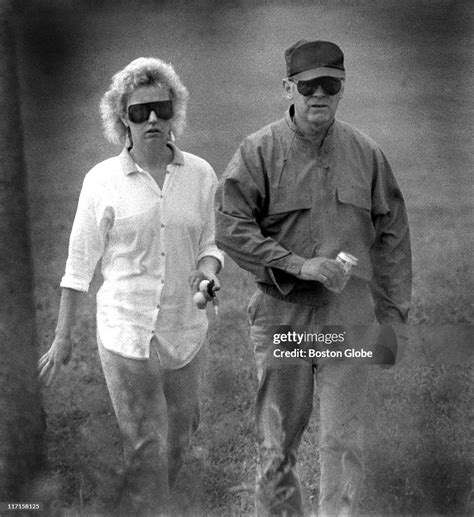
(391, 253)
(240, 200)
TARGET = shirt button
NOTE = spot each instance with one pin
(158, 306)
(162, 253)
(162, 225)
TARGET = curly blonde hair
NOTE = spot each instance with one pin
(144, 71)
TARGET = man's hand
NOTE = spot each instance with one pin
(329, 272)
(51, 361)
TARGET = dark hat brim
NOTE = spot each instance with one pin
(323, 71)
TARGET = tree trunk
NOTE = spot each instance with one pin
(21, 416)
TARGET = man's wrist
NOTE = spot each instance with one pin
(294, 265)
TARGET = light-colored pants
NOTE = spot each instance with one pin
(285, 401)
(157, 412)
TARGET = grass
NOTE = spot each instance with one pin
(419, 459)
(417, 446)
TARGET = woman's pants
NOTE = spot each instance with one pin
(157, 412)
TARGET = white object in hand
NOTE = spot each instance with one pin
(200, 300)
(348, 262)
(203, 285)
(202, 296)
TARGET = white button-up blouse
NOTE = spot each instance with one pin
(149, 241)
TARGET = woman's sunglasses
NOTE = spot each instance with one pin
(331, 85)
(139, 113)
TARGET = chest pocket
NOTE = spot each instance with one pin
(355, 196)
(288, 199)
(354, 215)
(287, 214)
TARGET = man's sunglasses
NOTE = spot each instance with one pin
(331, 85)
(139, 113)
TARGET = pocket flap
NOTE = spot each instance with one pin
(356, 196)
(287, 199)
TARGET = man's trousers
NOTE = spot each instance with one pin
(285, 401)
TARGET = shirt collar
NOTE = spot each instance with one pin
(327, 145)
(128, 166)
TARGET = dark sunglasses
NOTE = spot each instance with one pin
(139, 113)
(331, 85)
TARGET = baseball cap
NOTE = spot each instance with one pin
(307, 60)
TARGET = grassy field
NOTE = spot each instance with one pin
(408, 70)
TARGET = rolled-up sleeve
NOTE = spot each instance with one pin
(86, 242)
(391, 253)
(239, 202)
(207, 240)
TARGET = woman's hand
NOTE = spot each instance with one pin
(58, 354)
(208, 268)
(197, 276)
(60, 351)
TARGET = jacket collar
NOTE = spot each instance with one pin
(289, 117)
(325, 148)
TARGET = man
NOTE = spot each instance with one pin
(295, 194)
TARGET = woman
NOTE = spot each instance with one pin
(148, 214)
